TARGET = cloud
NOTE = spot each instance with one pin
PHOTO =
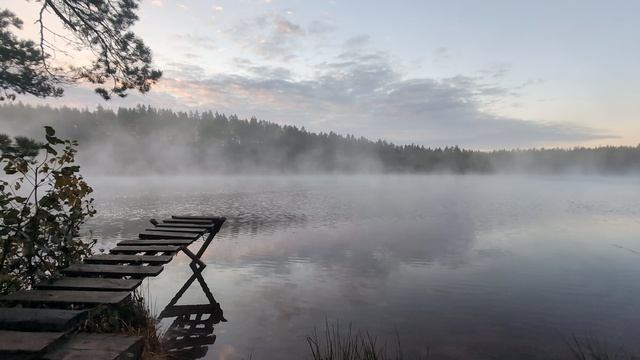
(261, 71)
(287, 27)
(442, 55)
(357, 41)
(496, 71)
(362, 93)
(185, 71)
(193, 41)
(353, 89)
(269, 36)
(318, 27)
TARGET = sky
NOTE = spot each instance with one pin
(489, 74)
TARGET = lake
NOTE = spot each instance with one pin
(475, 267)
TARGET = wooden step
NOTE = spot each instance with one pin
(26, 345)
(177, 242)
(168, 235)
(129, 259)
(90, 284)
(185, 226)
(37, 320)
(205, 218)
(96, 347)
(66, 297)
(184, 221)
(198, 231)
(137, 271)
(144, 249)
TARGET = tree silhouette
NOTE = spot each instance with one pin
(119, 58)
(22, 64)
(143, 139)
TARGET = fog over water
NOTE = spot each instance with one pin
(482, 267)
(145, 140)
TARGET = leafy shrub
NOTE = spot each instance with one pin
(43, 202)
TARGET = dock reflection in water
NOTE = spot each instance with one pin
(191, 333)
(464, 267)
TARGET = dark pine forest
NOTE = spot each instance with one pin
(144, 139)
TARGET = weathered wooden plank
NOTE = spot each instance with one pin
(90, 284)
(129, 259)
(144, 249)
(26, 345)
(168, 235)
(97, 347)
(64, 297)
(110, 270)
(177, 242)
(204, 218)
(206, 227)
(198, 231)
(37, 320)
(183, 221)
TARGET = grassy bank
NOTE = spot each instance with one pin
(335, 343)
(133, 317)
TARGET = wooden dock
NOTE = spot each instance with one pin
(41, 323)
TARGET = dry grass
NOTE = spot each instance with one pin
(336, 344)
(590, 348)
(133, 317)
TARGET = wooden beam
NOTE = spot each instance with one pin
(38, 320)
(26, 345)
(203, 218)
(184, 221)
(177, 242)
(168, 235)
(90, 284)
(97, 347)
(198, 231)
(66, 297)
(136, 271)
(185, 226)
(128, 259)
(144, 249)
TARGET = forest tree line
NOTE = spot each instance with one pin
(145, 139)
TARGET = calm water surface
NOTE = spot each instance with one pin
(475, 267)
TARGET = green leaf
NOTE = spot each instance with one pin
(50, 150)
(11, 217)
(47, 201)
(53, 140)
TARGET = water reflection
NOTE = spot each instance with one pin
(190, 335)
(468, 267)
